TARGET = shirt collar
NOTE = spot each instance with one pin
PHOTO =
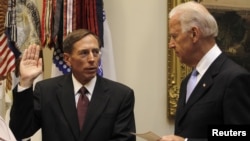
(208, 59)
(89, 86)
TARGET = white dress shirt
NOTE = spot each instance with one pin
(207, 60)
(89, 86)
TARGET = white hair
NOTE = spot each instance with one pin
(195, 14)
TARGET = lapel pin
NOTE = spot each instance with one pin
(204, 85)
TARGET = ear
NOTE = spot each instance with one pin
(195, 33)
(66, 58)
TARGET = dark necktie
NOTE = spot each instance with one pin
(191, 83)
(82, 106)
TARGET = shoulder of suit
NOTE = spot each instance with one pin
(113, 83)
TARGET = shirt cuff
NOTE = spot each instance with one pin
(20, 88)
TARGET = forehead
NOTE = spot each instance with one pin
(174, 25)
(88, 41)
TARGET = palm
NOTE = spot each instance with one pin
(30, 65)
(30, 68)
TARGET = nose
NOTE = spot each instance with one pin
(91, 56)
(171, 45)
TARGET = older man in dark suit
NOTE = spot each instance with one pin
(221, 88)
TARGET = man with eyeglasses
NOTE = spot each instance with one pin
(52, 106)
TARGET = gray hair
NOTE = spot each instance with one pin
(75, 36)
(195, 14)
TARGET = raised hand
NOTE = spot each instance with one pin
(30, 65)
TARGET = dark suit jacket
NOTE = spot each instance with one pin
(222, 96)
(52, 107)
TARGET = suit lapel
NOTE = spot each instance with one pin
(200, 90)
(96, 107)
(182, 99)
(65, 94)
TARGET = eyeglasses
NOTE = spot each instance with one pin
(96, 52)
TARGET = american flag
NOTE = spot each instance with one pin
(7, 57)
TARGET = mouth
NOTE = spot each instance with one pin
(91, 70)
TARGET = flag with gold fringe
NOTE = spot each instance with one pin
(61, 17)
(19, 27)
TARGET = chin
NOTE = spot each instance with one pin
(90, 76)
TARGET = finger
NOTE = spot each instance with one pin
(40, 62)
(37, 52)
(28, 52)
(32, 52)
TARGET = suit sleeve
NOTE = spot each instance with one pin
(22, 115)
(125, 122)
(237, 100)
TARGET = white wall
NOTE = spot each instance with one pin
(139, 33)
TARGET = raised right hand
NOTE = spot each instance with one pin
(30, 66)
